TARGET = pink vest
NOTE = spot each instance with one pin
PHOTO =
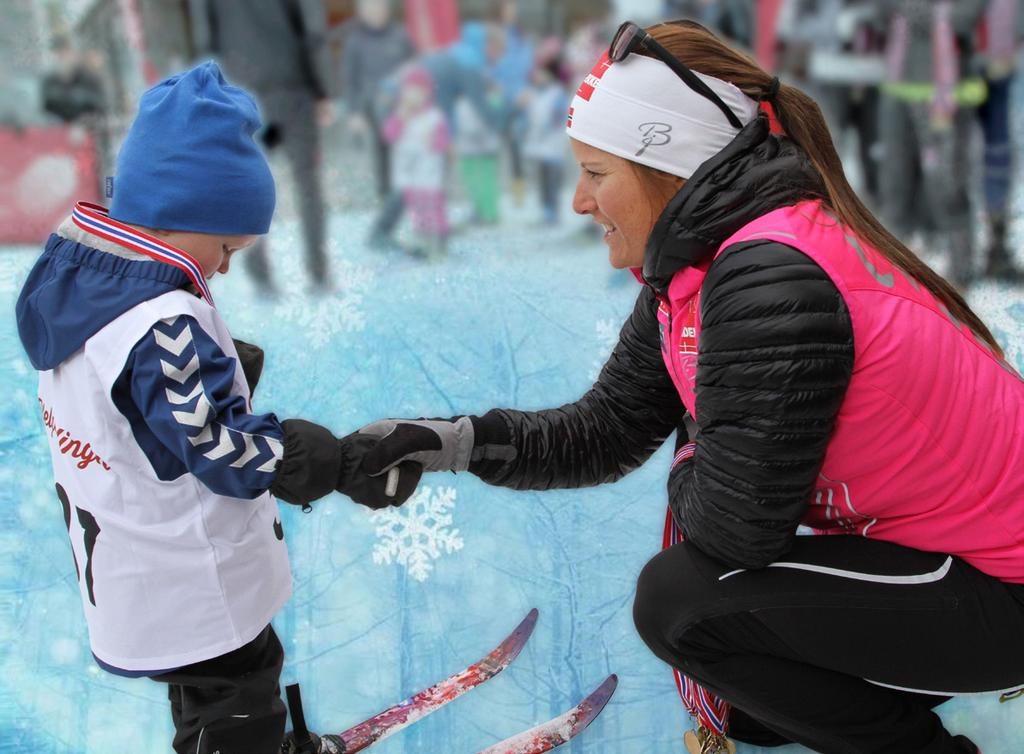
(928, 448)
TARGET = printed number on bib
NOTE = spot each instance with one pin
(90, 531)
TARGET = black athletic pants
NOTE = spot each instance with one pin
(794, 646)
(230, 704)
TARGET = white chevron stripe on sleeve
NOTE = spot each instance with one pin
(174, 345)
(203, 437)
(196, 418)
(250, 452)
(224, 446)
(277, 448)
(179, 400)
(172, 372)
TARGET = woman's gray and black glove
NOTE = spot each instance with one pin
(436, 444)
(315, 463)
(457, 444)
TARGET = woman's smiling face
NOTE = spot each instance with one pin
(611, 190)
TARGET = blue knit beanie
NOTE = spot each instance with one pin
(189, 161)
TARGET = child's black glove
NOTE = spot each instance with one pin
(251, 359)
(315, 463)
(373, 491)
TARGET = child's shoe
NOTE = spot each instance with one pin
(301, 741)
(314, 745)
(437, 249)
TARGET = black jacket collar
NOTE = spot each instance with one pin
(755, 174)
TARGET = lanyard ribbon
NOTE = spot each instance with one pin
(707, 709)
(95, 219)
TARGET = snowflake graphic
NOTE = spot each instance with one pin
(415, 534)
(321, 317)
(607, 337)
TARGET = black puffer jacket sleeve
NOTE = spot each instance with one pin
(776, 358)
(607, 433)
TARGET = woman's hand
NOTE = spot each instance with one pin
(437, 444)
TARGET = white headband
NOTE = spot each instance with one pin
(641, 110)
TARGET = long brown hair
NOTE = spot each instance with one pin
(803, 123)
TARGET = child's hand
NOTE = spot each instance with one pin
(389, 488)
(316, 463)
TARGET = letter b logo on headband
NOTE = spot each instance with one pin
(654, 135)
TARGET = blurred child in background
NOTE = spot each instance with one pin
(420, 138)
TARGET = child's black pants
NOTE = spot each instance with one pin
(232, 703)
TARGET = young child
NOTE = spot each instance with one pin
(166, 477)
(421, 141)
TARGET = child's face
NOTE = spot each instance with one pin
(212, 252)
(414, 96)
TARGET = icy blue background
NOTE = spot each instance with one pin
(519, 317)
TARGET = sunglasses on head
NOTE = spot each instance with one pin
(630, 38)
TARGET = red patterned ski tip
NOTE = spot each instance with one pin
(558, 731)
(418, 706)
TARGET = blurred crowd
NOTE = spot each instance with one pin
(924, 88)
(467, 112)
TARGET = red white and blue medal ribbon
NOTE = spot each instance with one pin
(686, 451)
(707, 709)
(95, 219)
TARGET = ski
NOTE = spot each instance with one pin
(418, 706)
(556, 732)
